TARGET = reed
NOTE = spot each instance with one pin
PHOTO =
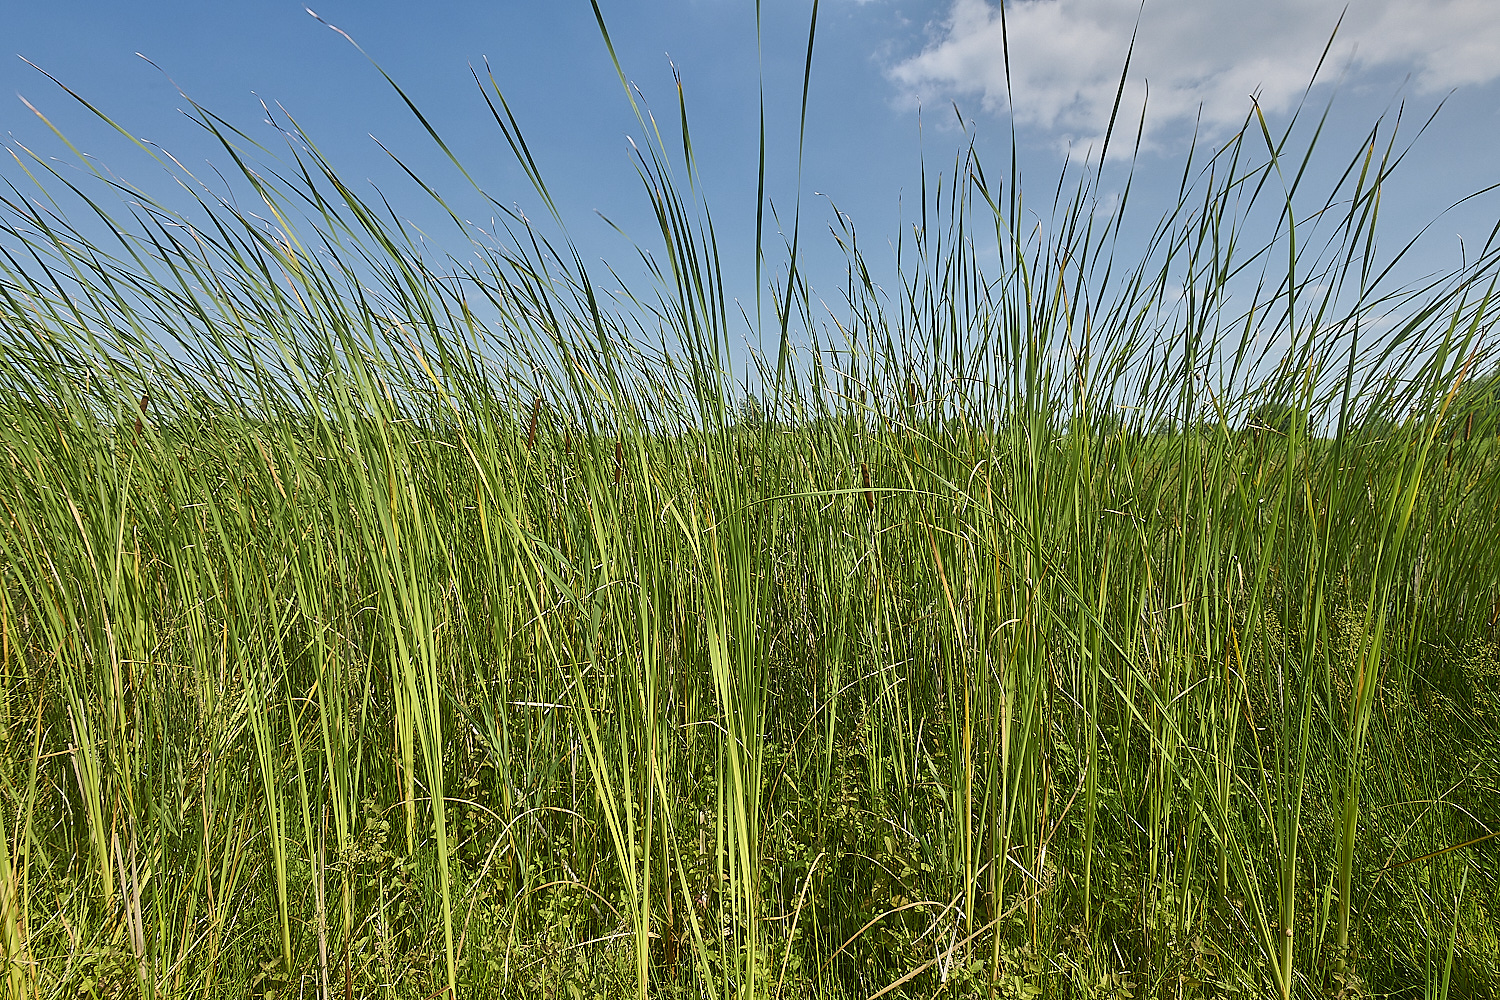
(1166, 668)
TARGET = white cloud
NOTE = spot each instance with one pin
(1066, 56)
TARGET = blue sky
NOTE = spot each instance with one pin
(876, 63)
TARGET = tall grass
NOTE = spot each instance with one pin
(1104, 620)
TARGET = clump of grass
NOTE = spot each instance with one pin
(352, 679)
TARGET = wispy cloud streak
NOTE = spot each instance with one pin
(1195, 55)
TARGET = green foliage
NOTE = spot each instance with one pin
(750, 414)
(428, 636)
(1279, 419)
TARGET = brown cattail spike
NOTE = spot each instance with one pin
(145, 402)
(864, 471)
(536, 408)
(619, 462)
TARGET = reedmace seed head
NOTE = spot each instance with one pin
(536, 408)
(145, 402)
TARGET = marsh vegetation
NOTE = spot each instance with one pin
(1069, 619)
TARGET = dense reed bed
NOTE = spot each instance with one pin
(1102, 620)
